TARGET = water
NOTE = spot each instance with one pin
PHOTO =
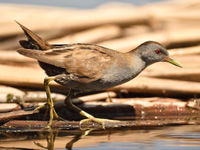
(165, 138)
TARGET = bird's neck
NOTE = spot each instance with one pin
(138, 64)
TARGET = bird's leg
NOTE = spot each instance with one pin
(50, 104)
(85, 114)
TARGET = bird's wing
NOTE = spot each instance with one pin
(82, 60)
(43, 56)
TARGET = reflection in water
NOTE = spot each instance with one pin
(50, 137)
(76, 138)
(180, 137)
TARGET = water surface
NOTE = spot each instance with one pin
(165, 138)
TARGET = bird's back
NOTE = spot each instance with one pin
(83, 60)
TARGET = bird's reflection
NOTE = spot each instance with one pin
(52, 134)
(50, 138)
(77, 138)
(176, 136)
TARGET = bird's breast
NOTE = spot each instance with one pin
(118, 74)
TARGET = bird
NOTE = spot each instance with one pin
(88, 67)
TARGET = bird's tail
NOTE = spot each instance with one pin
(34, 41)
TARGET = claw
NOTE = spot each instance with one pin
(53, 114)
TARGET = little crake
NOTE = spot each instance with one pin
(88, 67)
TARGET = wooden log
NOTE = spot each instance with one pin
(97, 34)
(154, 109)
(135, 30)
(130, 42)
(17, 124)
(189, 72)
(15, 95)
(166, 37)
(26, 77)
(7, 89)
(14, 114)
(134, 108)
(40, 96)
(12, 57)
(140, 100)
(73, 20)
(94, 97)
(185, 51)
(168, 10)
(163, 87)
(8, 107)
(10, 94)
(21, 76)
(185, 75)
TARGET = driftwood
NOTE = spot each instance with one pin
(189, 72)
(9, 94)
(185, 51)
(157, 108)
(11, 75)
(40, 96)
(79, 19)
(93, 35)
(14, 114)
(166, 37)
(76, 125)
(94, 97)
(133, 108)
(159, 86)
(12, 57)
(7, 107)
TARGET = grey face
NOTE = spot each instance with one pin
(152, 52)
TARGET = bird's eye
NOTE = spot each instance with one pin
(158, 51)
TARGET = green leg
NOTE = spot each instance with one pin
(50, 104)
(85, 114)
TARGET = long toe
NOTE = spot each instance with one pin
(100, 121)
(40, 107)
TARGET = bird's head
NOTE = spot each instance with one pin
(152, 52)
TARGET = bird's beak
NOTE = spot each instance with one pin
(172, 61)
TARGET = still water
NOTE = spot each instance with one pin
(165, 138)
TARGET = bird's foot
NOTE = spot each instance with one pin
(100, 121)
(52, 113)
